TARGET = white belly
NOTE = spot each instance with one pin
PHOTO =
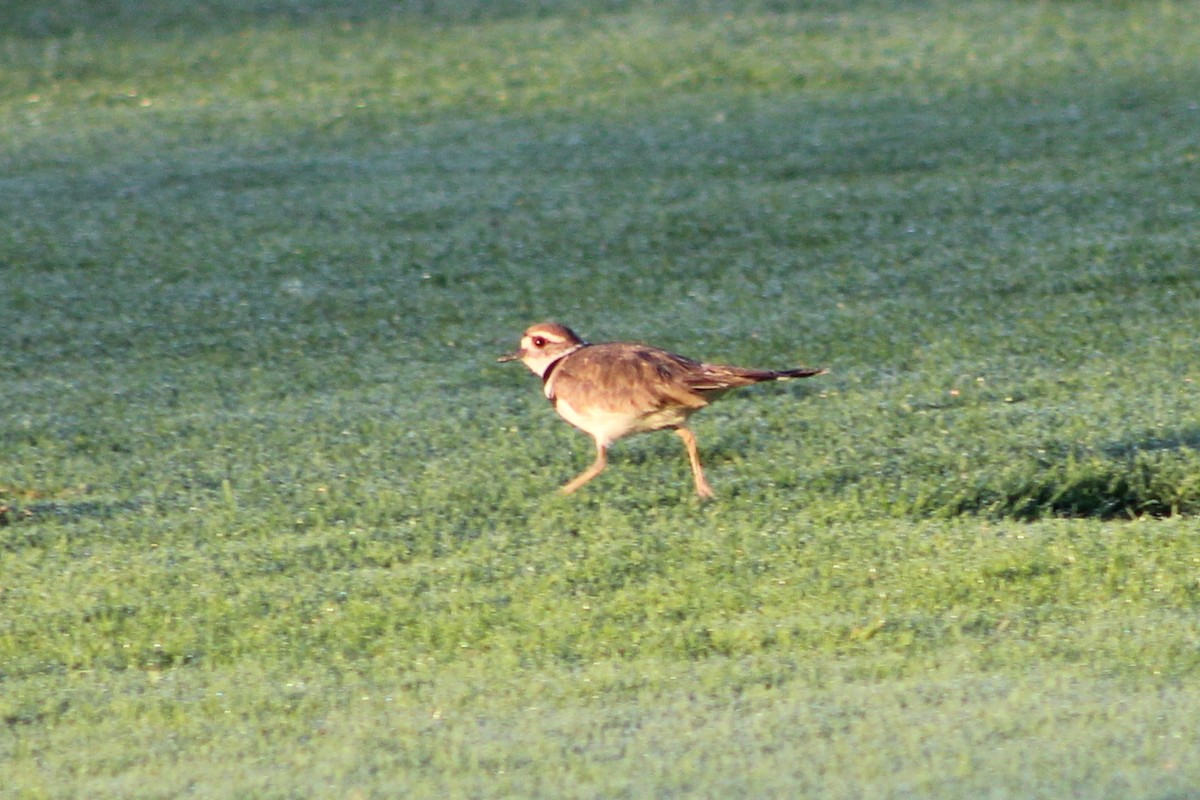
(606, 426)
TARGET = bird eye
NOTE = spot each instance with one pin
(538, 341)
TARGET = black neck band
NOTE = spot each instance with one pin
(553, 365)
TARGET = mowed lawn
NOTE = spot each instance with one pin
(274, 522)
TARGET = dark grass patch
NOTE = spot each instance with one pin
(66, 511)
(1088, 486)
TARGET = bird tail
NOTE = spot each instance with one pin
(799, 372)
(714, 377)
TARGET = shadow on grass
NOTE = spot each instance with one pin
(42, 19)
(66, 512)
(36, 19)
(1151, 477)
(1185, 439)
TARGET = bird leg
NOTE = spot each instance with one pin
(689, 441)
(595, 469)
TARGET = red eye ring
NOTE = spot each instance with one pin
(538, 341)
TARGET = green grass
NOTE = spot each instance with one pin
(276, 524)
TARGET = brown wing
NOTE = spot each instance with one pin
(629, 379)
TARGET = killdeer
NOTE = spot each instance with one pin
(616, 389)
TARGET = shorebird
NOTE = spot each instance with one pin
(615, 389)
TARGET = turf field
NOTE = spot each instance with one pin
(274, 523)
